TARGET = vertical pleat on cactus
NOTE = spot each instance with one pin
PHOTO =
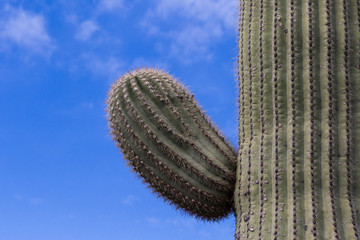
(299, 120)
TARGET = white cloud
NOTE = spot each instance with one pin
(72, 18)
(110, 67)
(194, 40)
(31, 200)
(109, 5)
(77, 109)
(26, 30)
(186, 223)
(221, 11)
(153, 221)
(86, 30)
(129, 200)
(202, 22)
(179, 223)
(35, 201)
(18, 197)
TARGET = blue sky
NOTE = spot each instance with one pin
(61, 176)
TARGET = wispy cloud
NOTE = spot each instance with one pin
(110, 5)
(77, 109)
(31, 200)
(110, 67)
(86, 30)
(25, 29)
(129, 200)
(221, 11)
(184, 224)
(18, 197)
(188, 224)
(203, 22)
(35, 201)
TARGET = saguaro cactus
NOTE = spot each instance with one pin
(298, 167)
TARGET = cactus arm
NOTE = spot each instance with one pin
(185, 163)
(201, 127)
(139, 103)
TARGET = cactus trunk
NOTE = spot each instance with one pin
(298, 173)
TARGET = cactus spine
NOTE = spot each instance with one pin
(297, 174)
(299, 80)
(169, 141)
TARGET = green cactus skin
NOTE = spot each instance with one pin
(298, 166)
(298, 174)
(170, 142)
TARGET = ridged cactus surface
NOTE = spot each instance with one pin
(171, 144)
(298, 174)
